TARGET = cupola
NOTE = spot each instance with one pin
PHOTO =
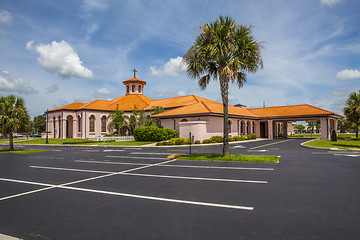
(134, 86)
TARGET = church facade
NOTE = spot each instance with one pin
(200, 116)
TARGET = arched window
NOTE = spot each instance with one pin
(139, 89)
(79, 123)
(229, 123)
(103, 124)
(127, 89)
(133, 88)
(92, 123)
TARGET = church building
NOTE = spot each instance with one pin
(200, 116)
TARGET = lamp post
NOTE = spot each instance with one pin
(47, 132)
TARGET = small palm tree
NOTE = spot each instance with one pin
(14, 117)
(223, 50)
(117, 120)
(352, 110)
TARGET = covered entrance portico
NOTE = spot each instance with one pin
(271, 128)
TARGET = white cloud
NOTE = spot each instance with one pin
(15, 85)
(60, 58)
(89, 5)
(171, 69)
(330, 2)
(348, 74)
(5, 17)
(102, 93)
(53, 88)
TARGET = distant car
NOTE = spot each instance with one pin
(16, 135)
(35, 135)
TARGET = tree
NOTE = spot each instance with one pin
(224, 50)
(117, 120)
(151, 121)
(299, 127)
(14, 117)
(352, 110)
(39, 123)
(311, 125)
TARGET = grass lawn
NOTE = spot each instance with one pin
(236, 158)
(56, 141)
(342, 144)
(22, 151)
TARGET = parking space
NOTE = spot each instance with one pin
(138, 193)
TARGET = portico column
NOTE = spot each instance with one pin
(63, 128)
(270, 129)
(324, 124)
(74, 128)
(257, 128)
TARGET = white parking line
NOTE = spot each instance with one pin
(149, 153)
(109, 150)
(70, 183)
(109, 156)
(63, 186)
(120, 163)
(154, 175)
(184, 166)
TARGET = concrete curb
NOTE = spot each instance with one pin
(332, 149)
(6, 237)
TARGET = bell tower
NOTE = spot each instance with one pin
(134, 86)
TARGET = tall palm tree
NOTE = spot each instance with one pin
(117, 120)
(224, 50)
(352, 110)
(14, 117)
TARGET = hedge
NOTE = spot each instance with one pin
(151, 133)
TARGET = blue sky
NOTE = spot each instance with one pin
(57, 52)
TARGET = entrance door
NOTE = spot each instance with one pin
(263, 132)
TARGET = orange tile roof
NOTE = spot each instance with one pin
(208, 107)
(177, 101)
(71, 106)
(291, 111)
(127, 102)
(134, 80)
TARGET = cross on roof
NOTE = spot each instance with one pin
(134, 72)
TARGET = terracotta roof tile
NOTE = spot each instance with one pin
(127, 102)
(134, 80)
(288, 111)
(177, 101)
(71, 106)
(206, 107)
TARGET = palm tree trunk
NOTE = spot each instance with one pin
(357, 130)
(11, 142)
(224, 87)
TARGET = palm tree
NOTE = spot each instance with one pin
(14, 117)
(118, 119)
(352, 110)
(224, 50)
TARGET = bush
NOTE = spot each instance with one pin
(197, 142)
(281, 134)
(206, 141)
(216, 139)
(151, 133)
(252, 135)
(232, 139)
(159, 144)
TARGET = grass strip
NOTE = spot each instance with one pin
(22, 151)
(234, 158)
(74, 141)
(341, 144)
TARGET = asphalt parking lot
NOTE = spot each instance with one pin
(138, 193)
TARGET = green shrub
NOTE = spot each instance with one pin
(151, 133)
(237, 138)
(252, 135)
(281, 134)
(197, 142)
(216, 139)
(206, 141)
(159, 144)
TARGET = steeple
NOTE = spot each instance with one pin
(134, 86)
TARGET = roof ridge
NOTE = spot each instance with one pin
(203, 103)
(280, 106)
